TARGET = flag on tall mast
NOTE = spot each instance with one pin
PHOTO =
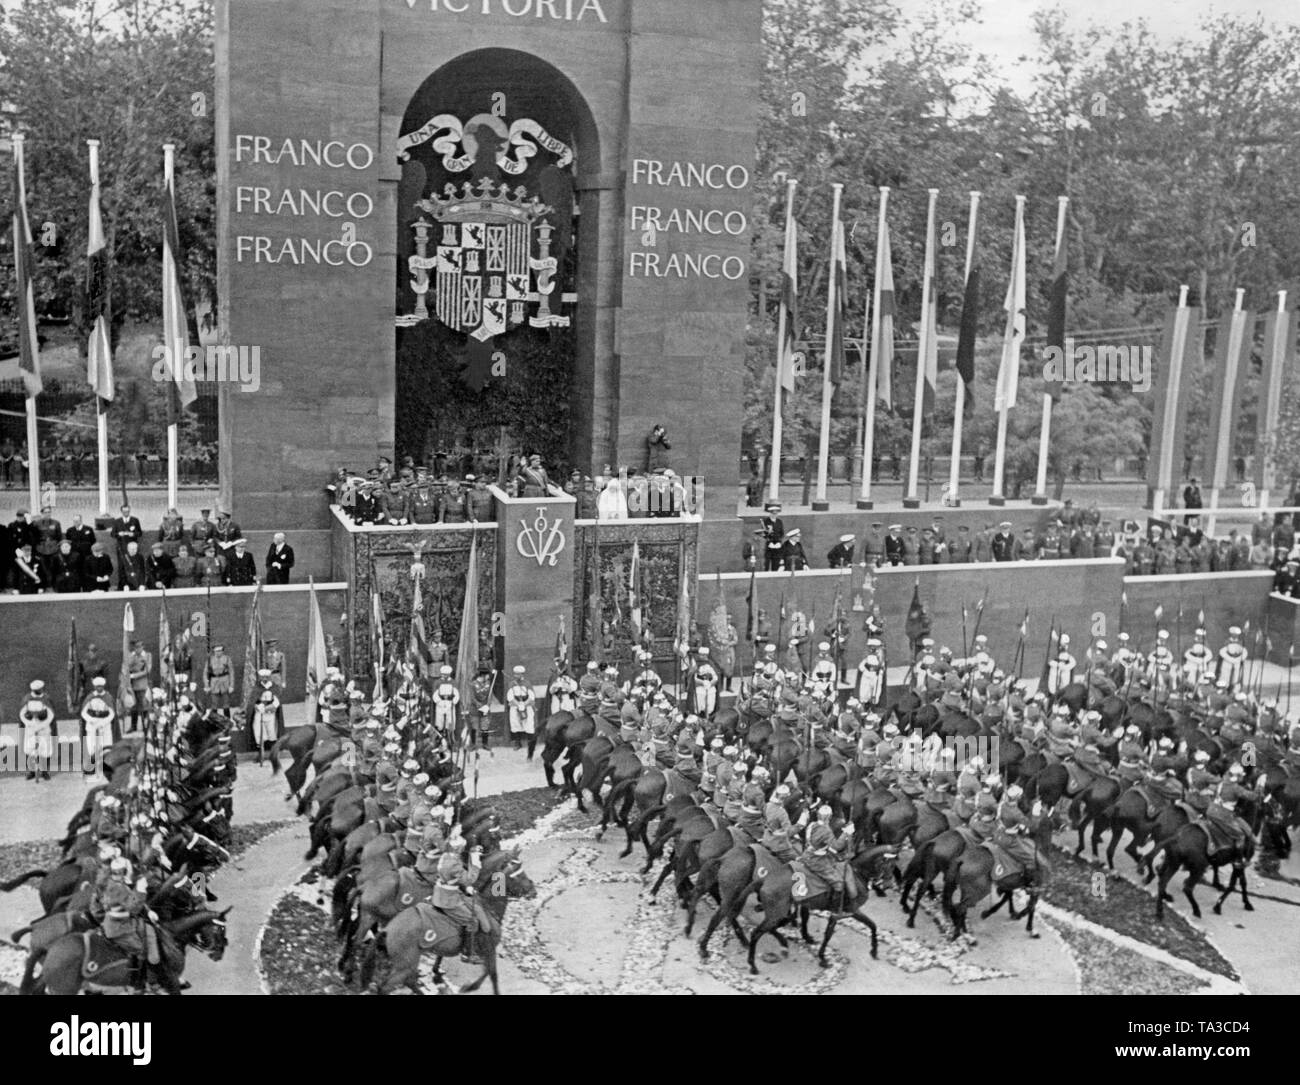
(99, 355)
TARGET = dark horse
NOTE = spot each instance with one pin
(1189, 847)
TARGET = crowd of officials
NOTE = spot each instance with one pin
(41, 555)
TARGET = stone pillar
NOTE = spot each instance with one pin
(535, 554)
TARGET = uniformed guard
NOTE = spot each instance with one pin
(1060, 671)
(97, 718)
(446, 700)
(824, 674)
(704, 687)
(563, 690)
(1232, 660)
(1160, 663)
(870, 684)
(37, 718)
(523, 716)
(268, 713)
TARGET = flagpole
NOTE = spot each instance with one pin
(1040, 491)
(820, 503)
(101, 416)
(1221, 454)
(873, 378)
(959, 405)
(922, 352)
(774, 468)
(998, 496)
(169, 150)
(1270, 395)
(33, 454)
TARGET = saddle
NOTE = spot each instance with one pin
(1080, 779)
(1154, 801)
(676, 785)
(412, 887)
(103, 962)
(440, 927)
(812, 883)
(1219, 839)
(739, 838)
(764, 861)
(1187, 808)
(1004, 865)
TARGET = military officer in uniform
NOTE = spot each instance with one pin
(422, 501)
(773, 530)
(275, 664)
(873, 547)
(1003, 546)
(219, 679)
(840, 556)
(895, 546)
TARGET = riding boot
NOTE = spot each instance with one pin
(467, 947)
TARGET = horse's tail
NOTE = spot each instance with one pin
(370, 959)
(334, 860)
(14, 883)
(18, 935)
(644, 819)
(1161, 847)
(275, 754)
(340, 898)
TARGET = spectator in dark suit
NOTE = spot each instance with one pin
(159, 568)
(97, 570)
(126, 528)
(241, 569)
(279, 560)
(131, 574)
(81, 537)
(895, 547)
(22, 532)
(65, 568)
(29, 574)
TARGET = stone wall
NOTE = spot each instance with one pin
(37, 642)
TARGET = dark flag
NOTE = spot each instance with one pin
(99, 355)
(968, 329)
(73, 688)
(918, 621)
(176, 336)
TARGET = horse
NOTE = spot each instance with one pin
(310, 744)
(422, 929)
(1189, 847)
(973, 872)
(777, 893)
(1129, 813)
(63, 973)
(564, 732)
